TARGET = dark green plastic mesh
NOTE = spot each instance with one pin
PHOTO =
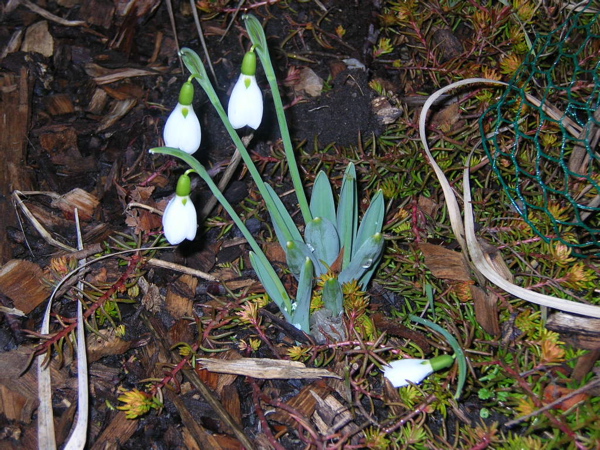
(547, 156)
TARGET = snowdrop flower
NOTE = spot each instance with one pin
(179, 219)
(403, 371)
(246, 102)
(182, 129)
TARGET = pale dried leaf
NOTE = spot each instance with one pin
(264, 368)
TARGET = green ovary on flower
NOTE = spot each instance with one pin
(249, 63)
(186, 94)
(184, 185)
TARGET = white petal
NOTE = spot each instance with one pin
(404, 370)
(246, 103)
(183, 131)
(180, 220)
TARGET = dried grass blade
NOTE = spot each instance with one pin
(465, 232)
(78, 437)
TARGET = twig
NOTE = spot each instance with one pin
(231, 167)
(36, 224)
(202, 40)
(45, 14)
(174, 29)
(235, 13)
(179, 268)
(590, 385)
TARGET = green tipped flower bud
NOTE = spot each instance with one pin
(180, 220)
(405, 371)
(249, 63)
(246, 103)
(184, 186)
(186, 94)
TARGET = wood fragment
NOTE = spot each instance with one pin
(118, 109)
(20, 280)
(83, 201)
(116, 433)
(305, 403)
(580, 332)
(48, 15)
(332, 417)
(98, 102)
(38, 39)
(179, 296)
(59, 104)
(264, 368)
(15, 101)
(585, 364)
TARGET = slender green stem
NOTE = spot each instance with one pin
(259, 41)
(458, 351)
(201, 171)
(195, 66)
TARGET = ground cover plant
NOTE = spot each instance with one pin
(190, 346)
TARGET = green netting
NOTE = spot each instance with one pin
(546, 155)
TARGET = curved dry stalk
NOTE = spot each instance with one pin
(78, 439)
(36, 224)
(465, 232)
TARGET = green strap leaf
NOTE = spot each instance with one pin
(267, 274)
(347, 213)
(372, 221)
(363, 260)
(333, 297)
(364, 280)
(296, 252)
(322, 203)
(458, 351)
(321, 235)
(272, 284)
(301, 315)
(284, 225)
(259, 40)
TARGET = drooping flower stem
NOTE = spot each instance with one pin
(194, 65)
(259, 41)
(286, 308)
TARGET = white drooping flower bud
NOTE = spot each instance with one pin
(246, 103)
(182, 129)
(179, 219)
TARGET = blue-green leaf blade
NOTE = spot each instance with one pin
(372, 221)
(322, 236)
(366, 256)
(322, 203)
(285, 228)
(333, 297)
(347, 213)
(301, 315)
(272, 284)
